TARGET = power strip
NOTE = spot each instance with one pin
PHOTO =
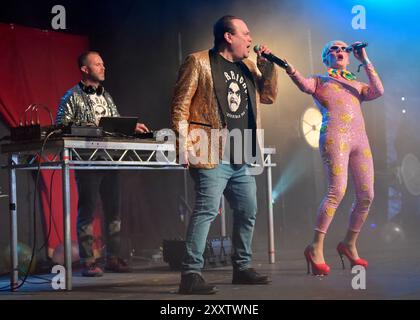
(25, 133)
(82, 131)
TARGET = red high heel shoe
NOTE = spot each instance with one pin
(318, 269)
(342, 249)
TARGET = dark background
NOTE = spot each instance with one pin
(143, 44)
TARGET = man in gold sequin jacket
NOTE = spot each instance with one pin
(221, 90)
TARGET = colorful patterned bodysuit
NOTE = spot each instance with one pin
(343, 141)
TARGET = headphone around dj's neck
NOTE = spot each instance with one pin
(92, 90)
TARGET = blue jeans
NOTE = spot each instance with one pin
(241, 193)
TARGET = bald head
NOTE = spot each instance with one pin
(92, 66)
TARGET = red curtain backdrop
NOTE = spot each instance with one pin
(39, 66)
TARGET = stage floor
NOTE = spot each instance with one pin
(393, 273)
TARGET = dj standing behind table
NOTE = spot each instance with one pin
(85, 104)
(221, 89)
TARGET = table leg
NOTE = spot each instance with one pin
(67, 218)
(14, 276)
(271, 248)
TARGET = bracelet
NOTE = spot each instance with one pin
(366, 62)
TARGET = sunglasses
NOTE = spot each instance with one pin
(336, 48)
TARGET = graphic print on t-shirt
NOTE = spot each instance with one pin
(100, 106)
(237, 95)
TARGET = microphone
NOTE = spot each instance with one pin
(356, 46)
(271, 57)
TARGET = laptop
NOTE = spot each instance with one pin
(119, 125)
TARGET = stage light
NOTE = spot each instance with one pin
(310, 125)
(402, 98)
(410, 172)
(58, 255)
(392, 233)
(24, 258)
(311, 122)
(404, 111)
(292, 173)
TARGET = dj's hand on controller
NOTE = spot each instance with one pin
(141, 128)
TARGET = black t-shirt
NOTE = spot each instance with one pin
(237, 107)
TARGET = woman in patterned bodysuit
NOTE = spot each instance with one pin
(343, 144)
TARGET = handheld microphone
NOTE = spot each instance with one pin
(271, 57)
(356, 46)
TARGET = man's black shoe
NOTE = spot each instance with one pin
(193, 283)
(249, 276)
